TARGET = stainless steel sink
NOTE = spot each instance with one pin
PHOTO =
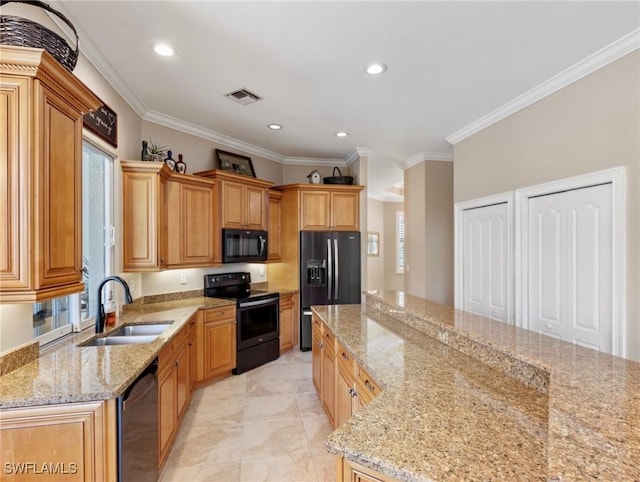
(120, 340)
(140, 330)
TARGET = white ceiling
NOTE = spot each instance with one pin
(450, 63)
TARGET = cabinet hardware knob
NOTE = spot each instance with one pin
(369, 386)
(344, 356)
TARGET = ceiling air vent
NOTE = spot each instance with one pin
(243, 96)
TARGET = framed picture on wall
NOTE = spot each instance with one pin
(228, 161)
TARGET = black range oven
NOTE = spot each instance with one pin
(257, 317)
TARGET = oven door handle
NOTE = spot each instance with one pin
(248, 304)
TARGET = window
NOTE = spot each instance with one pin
(399, 242)
(57, 317)
(373, 244)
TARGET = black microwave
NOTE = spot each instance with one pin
(244, 246)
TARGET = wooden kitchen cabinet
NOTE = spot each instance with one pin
(329, 375)
(366, 387)
(192, 238)
(79, 437)
(144, 215)
(174, 389)
(41, 108)
(274, 226)
(216, 341)
(335, 208)
(316, 356)
(243, 201)
(348, 471)
(287, 322)
(346, 395)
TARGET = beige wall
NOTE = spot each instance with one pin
(428, 194)
(293, 173)
(375, 264)
(198, 153)
(392, 280)
(590, 125)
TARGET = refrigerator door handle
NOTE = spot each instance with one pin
(330, 270)
(335, 287)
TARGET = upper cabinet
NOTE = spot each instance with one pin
(144, 215)
(243, 200)
(322, 207)
(41, 108)
(192, 238)
(273, 226)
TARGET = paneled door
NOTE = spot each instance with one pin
(570, 266)
(486, 253)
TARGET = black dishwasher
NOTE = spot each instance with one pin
(138, 428)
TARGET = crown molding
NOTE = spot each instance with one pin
(221, 139)
(313, 161)
(396, 199)
(426, 156)
(595, 61)
(95, 57)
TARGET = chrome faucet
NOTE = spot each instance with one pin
(100, 313)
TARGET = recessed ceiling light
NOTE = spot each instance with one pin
(375, 69)
(164, 50)
(275, 127)
(342, 134)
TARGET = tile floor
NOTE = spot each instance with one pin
(264, 425)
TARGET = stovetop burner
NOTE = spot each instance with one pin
(233, 286)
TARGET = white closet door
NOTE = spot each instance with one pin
(570, 260)
(485, 261)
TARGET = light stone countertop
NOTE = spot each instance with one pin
(70, 373)
(443, 415)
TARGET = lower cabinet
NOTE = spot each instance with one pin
(346, 395)
(70, 442)
(174, 389)
(343, 386)
(348, 471)
(287, 322)
(216, 345)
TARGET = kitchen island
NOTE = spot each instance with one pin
(467, 398)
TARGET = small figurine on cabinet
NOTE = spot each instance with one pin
(314, 177)
(144, 154)
(181, 167)
(170, 161)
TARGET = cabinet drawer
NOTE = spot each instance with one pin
(367, 388)
(219, 314)
(316, 323)
(286, 301)
(346, 361)
(329, 340)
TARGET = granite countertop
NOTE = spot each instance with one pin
(573, 414)
(70, 373)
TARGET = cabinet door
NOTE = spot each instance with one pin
(193, 353)
(219, 347)
(183, 379)
(167, 409)
(59, 241)
(144, 217)
(287, 307)
(345, 211)
(315, 210)
(329, 376)
(256, 208)
(353, 472)
(233, 205)
(190, 207)
(80, 437)
(15, 244)
(273, 227)
(316, 359)
(344, 397)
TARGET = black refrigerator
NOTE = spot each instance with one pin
(329, 274)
